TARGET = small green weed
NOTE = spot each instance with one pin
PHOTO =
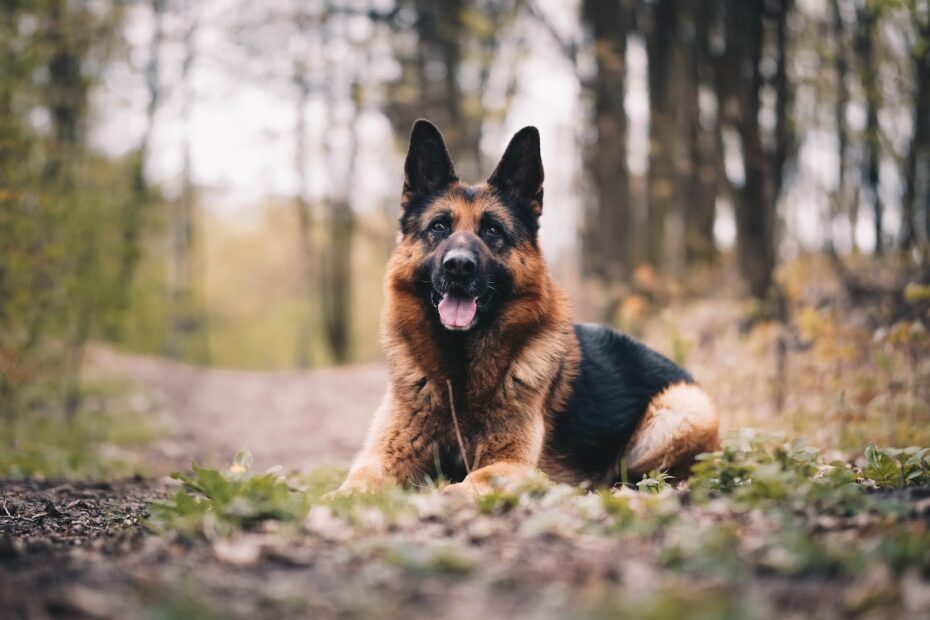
(897, 467)
(655, 482)
(217, 502)
(507, 496)
(753, 468)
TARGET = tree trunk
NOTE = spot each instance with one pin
(917, 166)
(183, 322)
(68, 100)
(139, 196)
(608, 228)
(865, 44)
(841, 202)
(336, 281)
(429, 85)
(305, 245)
(337, 269)
(663, 79)
(700, 199)
(755, 201)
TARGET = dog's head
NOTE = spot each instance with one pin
(470, 249)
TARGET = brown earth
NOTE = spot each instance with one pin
(296, 419)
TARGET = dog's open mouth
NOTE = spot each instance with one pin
(458, 310)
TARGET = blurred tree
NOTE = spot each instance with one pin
(916, 199)
(436, 42)
(66, 94)
(867, 15)
(185, 324)
(337, 279)
(336, 259)
(430, 37)
(608, 229)
(305, 25)
(24, 275)
(742, 84)
(701, 127)
(663, 45)
(140, 197)
(57, 211)
(842, 203)
(684, 140)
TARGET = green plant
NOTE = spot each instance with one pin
(654, 482)
(752, 467)
(507, 495)
(897, 467)
(216, 502)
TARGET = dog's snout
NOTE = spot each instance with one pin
(459, 263)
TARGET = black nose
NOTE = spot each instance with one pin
(459, 263)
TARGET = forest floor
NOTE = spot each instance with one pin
(767, 529)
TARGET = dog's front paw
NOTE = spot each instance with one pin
(337, 493)
(362, 480)
(348, 489)
(467, 490)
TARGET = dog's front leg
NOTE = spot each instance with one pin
(511, 457)
(375, 465)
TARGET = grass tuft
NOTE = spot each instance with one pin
(218, 502)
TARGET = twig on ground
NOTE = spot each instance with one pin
(455, 423)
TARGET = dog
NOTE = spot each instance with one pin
(489, 378)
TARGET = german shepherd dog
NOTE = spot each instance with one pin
(489, 378)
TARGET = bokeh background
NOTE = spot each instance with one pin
(745, 184)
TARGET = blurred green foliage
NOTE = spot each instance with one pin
(248, 295)
(219, 501)
(83, 236)
(98, 442)
(61, 206)
(897, 468)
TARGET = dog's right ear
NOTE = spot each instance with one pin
(428, 168)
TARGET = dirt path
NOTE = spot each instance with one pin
(296, 419)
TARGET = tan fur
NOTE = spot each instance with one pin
(680, 423)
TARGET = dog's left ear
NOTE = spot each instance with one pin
(428, 167)
(519, 175)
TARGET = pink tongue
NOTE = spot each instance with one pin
(457, 312)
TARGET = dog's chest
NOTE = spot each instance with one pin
(446, 433)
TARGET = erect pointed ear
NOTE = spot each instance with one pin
(519, 175)
(428, 167)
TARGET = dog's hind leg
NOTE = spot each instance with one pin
(680, 423)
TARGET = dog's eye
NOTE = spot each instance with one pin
(493, 230)
(439, 226)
